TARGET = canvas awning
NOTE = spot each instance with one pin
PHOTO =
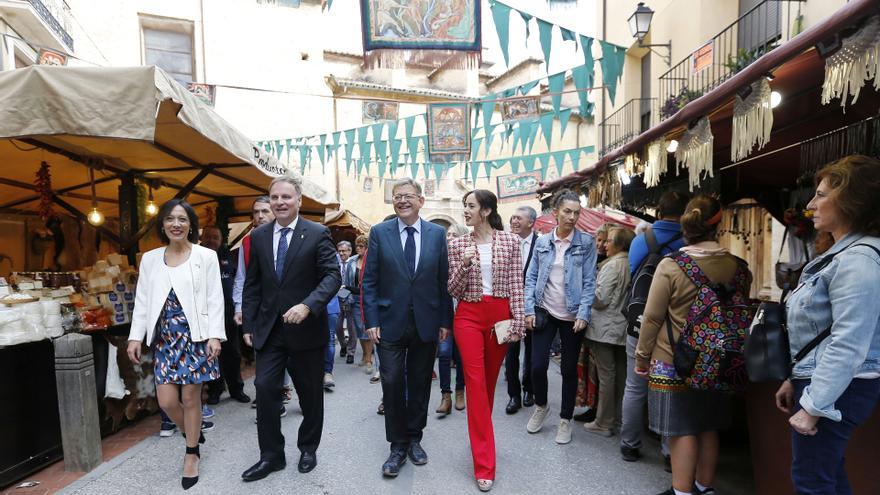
(590, 220)
(347, 219)
(125, 120)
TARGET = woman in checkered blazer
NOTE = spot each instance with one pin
(485, 275)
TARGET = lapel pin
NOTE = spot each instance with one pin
(302, 236)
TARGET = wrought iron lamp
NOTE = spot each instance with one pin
(640, 24)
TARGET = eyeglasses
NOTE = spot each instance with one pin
(401, 197)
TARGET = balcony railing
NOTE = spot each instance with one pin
(627, 122)
(750, 37)
(56, 14)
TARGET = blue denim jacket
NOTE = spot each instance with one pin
(580, 273)
(844, 292)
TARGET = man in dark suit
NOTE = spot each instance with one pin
(521, 223)
(407, 308)
(292, 275)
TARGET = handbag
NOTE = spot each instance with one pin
(789, 273)
(502, 330)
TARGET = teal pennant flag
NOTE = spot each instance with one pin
(527, 18)
(525, 88)
(575, 156)
(322, 149)
(490, 135)
(583, 80)
(529, 162)
(475, 147)
(559, 158)
(414, 169)
(395, 154)
(279, 148)
(474, 170)
(612, 66)
(520, 132)
(568, 35)
(335, 147)
(489, 166)
(488, 110)
(564, 117)
(533, 135)
(545, 34)
(349, 149)
(392, 129)
(439, 168)
(501, 16)
(587, 50)
(546, 122)
(556, 83)
(381, 155)
(362, 143)
(514, 164)
(289, 146)
(544, 158)
(377, 131)
(304, 152)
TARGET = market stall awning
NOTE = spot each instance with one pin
(590, 220)
(347, 219)
(798, 70)
(121, 120)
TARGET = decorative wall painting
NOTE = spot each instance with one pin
(421, 31)
(51, 57)
(516, 109)
(430, 188)
(515, 186)
(380, 111)
(204, 92)
(449, 131)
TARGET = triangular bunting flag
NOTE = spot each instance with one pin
(490, 135)
(381, 156)
(612, 66)
(362, 143)
(529, 162)
(564, 117)
(414, 168)
(336, 136)
(525, 88)
(533, 135)
(556, 83)
(392, 129)
(544, 158)
(575, 156)
(488, 166)
(279, 148)
(587, 49)
(439, 168)
(583, 80)
(527, 18)
(488, 110)
(501, 16)
(559, 158)
(546, 122)
(395, 153)
(322, 149)
(303, 157)
(474, 169)
(288, 147)
(568, 35)
(349, 149)
(475, 147)
(514, 164)
(545, 34)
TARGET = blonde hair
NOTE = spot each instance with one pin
(621, 237)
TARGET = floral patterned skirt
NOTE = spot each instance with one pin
(179, 360)
(674, 409)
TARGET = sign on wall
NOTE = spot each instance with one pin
(702, 58)
(51, 57)
(515, 186)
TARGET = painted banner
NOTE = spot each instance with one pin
(380, 111)
(515, 186)
(51, 57)
(516, 109)
(430, 187)
(702, 58)
(422, 28)
(449, 131)
(204, 92)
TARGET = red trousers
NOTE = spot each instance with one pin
(481, 357)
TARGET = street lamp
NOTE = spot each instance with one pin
(640, 24)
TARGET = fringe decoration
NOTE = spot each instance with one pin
(752, 121)
(657, 162)
(605, 189)
(695, 152)
(400, 59)
(633, 165)
(857, 61)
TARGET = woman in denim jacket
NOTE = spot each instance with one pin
(560, 284)
(836, 386)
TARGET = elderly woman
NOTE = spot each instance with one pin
(836, 386)
(178, 311)
(606, 333)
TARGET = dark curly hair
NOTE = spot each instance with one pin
(855, 182)
(165, 210)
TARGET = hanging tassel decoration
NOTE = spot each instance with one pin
(657, 162)
(857, 61)
(695, 152)
(752, 121)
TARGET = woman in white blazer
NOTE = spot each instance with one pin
(178, 309)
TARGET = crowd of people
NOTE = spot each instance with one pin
(618, 306)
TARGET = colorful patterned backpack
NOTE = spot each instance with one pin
(709, 351)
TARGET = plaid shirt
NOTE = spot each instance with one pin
(465, 283)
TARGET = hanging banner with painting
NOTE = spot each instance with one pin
(51, 57)
(204, 92)
(515, 186)
(516, 109)
(423, 32)
(449, 132)
(380, 111)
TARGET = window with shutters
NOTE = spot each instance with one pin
(168, 44)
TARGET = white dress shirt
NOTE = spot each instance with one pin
(485, 251)
(276, 236)
(417, 236)
(524, 246)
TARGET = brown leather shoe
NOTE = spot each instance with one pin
(459, 400)
(445, 406)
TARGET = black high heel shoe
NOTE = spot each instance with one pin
(188, 482)
(201, 436)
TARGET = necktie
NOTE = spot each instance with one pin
(409, 249)
(282, 253)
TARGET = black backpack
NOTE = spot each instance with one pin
(640, 284)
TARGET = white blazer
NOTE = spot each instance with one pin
(201, 295)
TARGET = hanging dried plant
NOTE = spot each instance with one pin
(43, 184)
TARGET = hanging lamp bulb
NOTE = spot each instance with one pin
(151, 209)
(95, 217)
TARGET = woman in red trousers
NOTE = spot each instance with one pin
(485, 276)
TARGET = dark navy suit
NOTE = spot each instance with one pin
(409, 308)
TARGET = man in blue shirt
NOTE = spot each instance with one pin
(665, 230)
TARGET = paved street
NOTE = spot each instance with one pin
(353, 449)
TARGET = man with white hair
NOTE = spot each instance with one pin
(522, 223)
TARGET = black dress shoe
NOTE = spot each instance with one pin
(307, 462)
(630, 454)
(242, 397)
(343, 351)
(587, 416)
(528, 399)
(349, 359)
(417, 454)
(262, 469)
(513, 405)
(213, 400)
(188, 482)
(391, 468)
